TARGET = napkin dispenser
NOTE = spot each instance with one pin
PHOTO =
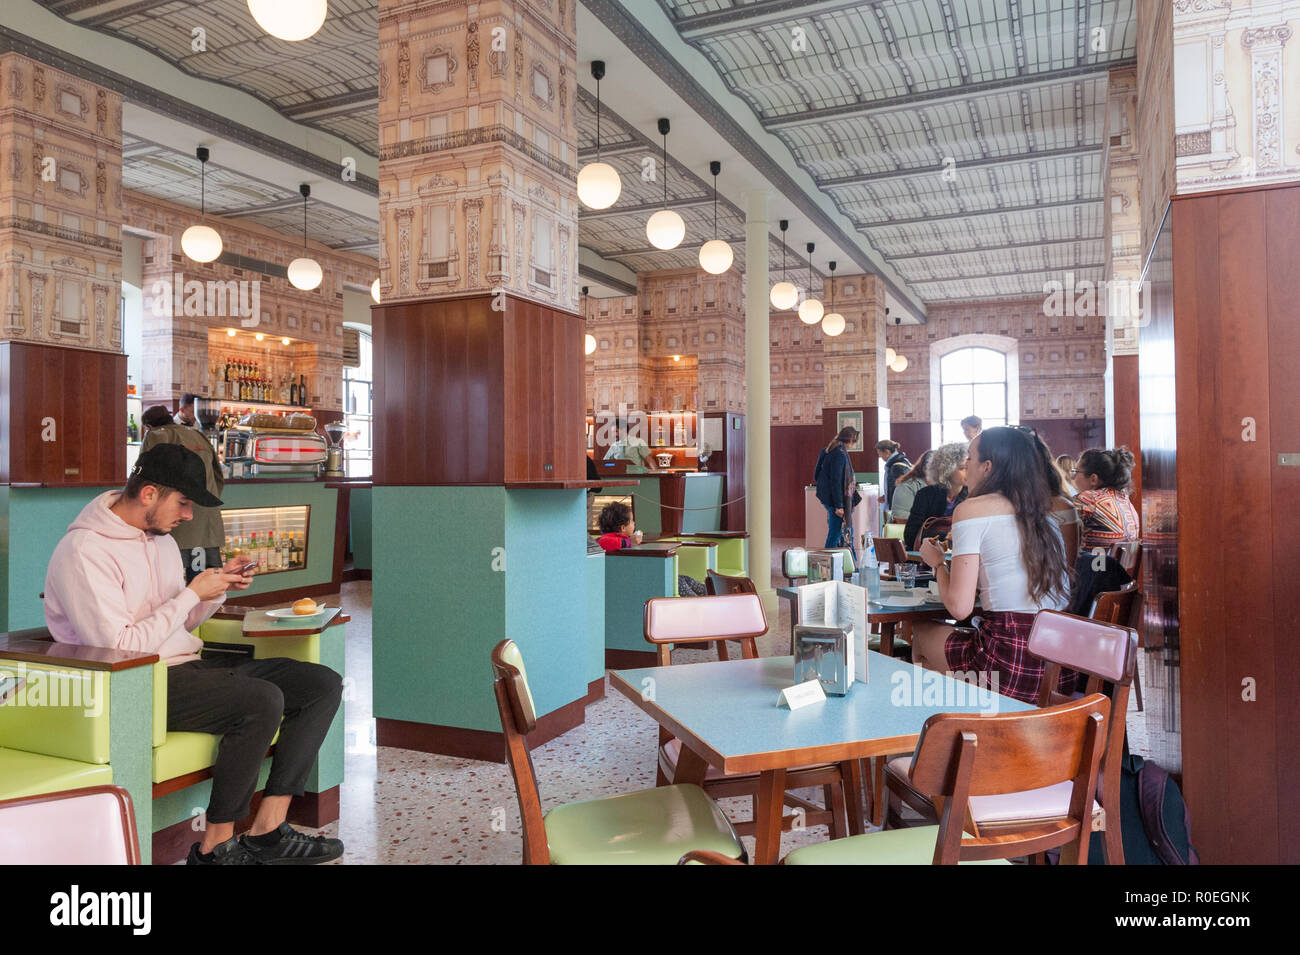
(825, 653)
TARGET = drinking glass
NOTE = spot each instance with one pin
(907, 574)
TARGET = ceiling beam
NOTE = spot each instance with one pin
(1021, 273)
(615, 211)
(976, 213)
(1015, 159)
(617, 149)
(910, 101)
(651, 250)
(948, 253)
(332, 104)
(761, 13)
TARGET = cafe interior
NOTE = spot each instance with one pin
(522, 333)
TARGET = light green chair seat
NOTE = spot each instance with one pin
(65, 712)
(891, 847)
(895, 531)
(650, 827)
(694, 560)
(31, 774)
(183, 753)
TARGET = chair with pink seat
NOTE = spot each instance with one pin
(1106, 654)
(91, 826)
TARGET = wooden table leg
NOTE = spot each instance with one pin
(852, 772)
(767, 816)
(878, 794)
(691, 767)
(887, 637)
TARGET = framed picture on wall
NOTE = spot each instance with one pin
(850, 419)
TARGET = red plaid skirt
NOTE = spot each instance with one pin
(1001, 645)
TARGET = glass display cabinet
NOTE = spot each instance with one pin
(275, 537)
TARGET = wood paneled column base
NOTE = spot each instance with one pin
(475, 744)
(310, 810)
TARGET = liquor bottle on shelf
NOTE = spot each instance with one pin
(132, 429)
(293, 393)
(302, 390)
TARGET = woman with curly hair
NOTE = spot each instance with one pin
(1006, 545)
(947, 488)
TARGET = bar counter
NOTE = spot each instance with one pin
(674, 502)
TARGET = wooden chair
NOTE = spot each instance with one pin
(1123, 607)
(90, 826)
(961, 758)
(1106, 653)
(649, 827)
(718, 585)
(700, 621)
(1129, 556)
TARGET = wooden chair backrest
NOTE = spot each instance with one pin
(518, 719)
(1129, 556)
(961, 755)
(701, 620)
(720, 584)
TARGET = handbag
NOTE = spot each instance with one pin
(939, 527)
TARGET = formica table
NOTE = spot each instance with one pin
(726, 715)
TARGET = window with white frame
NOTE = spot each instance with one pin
(358, 412)
(972, 381)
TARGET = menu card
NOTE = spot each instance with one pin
(834, 603)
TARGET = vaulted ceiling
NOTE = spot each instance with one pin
(962, 138)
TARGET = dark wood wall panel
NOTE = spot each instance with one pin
(912, 436)
(1237, 305)
(1283, 235)
(83, 392)
(1128, 415)
(794, 456)
(468, 395)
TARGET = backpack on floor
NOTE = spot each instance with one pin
(1157, 829)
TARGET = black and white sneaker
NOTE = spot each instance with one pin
(230, 852)
(287, 846)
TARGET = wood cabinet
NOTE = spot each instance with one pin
(62, 415)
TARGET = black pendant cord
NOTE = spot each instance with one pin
(715, 205)
(203, 193)
(597, 120)
(832, 286)
(304, 226)
(665, 170)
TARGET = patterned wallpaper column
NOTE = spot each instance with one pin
(60, 207)
(1155, 118)
(1236, 67)
(853, 361)
(478, 150)
(1123, 230)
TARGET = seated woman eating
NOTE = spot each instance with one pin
(947, 488)
(1006, 545)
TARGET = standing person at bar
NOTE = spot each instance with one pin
(971, 427)
(199, 539)
(895, 466)
(836, 489)
(185, 410)
(114, 582)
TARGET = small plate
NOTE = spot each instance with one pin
(900, 600)
(286, 613)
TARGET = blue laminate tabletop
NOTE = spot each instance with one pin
(727, 711)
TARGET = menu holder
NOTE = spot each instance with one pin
(825, 565)
(834, 603)
(825, 654)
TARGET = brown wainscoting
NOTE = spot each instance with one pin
(1128, 416)
(1070, 436)
(912, 436)
(81, 392)
(475, 744)
(341, 523)
(865, 460)
(794, 458)
(468, 395)
(630, 659)
(595, 691)
(672, 497)
(310, 810)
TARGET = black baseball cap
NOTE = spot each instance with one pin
(179, 468)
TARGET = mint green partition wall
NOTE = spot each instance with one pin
(629, 583)
(646, 506)
(34, 520)
(457, 569)
(595, 616)
(360, 527)
(702, 507)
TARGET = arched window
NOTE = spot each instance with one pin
(358, 412)
(972, 381)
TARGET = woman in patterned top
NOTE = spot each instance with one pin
(1103, 479)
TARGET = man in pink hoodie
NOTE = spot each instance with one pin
(116, 581)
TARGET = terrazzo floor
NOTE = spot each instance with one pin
(400, 807)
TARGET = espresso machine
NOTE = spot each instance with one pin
(334, 455)
(207, 411)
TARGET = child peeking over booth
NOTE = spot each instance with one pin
(618, 529)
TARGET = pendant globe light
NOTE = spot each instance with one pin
(305, 273)
(890, 355)
(784, 294)
(833, 322)
(289, 19)
(715, 255)
(374, 290)
(899, 364)
(598, 182)
(201, 242)
(810, 309)
(665, 229)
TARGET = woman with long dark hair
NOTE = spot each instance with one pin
(836, 489)
(1063, 510)
(1006, 546)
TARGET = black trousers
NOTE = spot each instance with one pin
(245, 703)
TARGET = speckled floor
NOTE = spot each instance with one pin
(404, 807)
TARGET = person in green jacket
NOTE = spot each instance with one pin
(199, 539)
